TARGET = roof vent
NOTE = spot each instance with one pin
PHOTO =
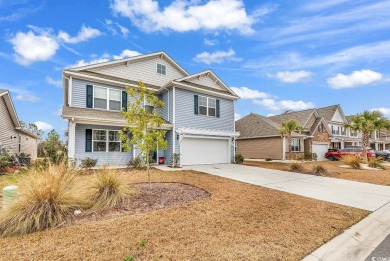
(288, 111)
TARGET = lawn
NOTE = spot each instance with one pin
(381, 177)
(238, 221)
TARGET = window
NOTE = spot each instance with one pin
(161, 69)
(106, 140)
(148, 106)
(207, 106)
(321, 128)
(353, 133)
(296, 145)
(102, 95)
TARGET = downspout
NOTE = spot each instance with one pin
(173, 121)
(284, 148)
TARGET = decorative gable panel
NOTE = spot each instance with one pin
(338, 117)
(206, 81)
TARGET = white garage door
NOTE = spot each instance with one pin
(204, 151)
(320, 150)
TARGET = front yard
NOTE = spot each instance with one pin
(370, 176)
(237, 222)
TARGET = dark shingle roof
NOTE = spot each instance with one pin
(2, 91)
(301, 117)
(327, 112)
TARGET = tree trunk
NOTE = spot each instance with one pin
(289, 147)
(148, 166)
(365, 138)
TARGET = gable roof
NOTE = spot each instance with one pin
(208, 73)
(301, 117)
(161, 54)
(14, 116)
(328, 112)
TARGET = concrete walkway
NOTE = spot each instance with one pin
(344, 192)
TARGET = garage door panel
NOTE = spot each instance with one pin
(204, 151)
(320, 150)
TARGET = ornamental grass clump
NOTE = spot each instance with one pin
(320, 170)
(296, 167)
(109, 190)
(45, 199)
(375, 163)
(353, 161)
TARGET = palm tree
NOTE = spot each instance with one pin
(287, 128)
(365, 123)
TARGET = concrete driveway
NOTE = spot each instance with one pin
(349, 193)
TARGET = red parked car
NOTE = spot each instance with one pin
(336, 154)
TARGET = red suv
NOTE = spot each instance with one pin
(335, 154)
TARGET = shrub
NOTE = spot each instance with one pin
(320, 170)
(45, 199)
(268, 159)
(108, 190)
(175, 160)
(352, 160)
(375, 163)
(136, 163)
(308, 156)
(88, 163)
(314, 156)
(5, 161)
(296, 167)
(239, 159)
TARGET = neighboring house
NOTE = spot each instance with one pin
(259, 136)
(198, 112)
(12, 137)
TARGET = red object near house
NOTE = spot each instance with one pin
(334, 154)
(161, 160)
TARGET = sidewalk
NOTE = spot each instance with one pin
(364, 239)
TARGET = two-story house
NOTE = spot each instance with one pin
(198, 112)
(13, 138)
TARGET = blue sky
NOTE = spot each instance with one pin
(278, 55)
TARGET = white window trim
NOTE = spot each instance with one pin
(107, 141)
(207, 106)
(161, 73)
(292, 145)
(107, 98)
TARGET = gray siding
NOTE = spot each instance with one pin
(185, 117)
(79, 92)
(143, 70)
(104, 158)
(207, 81)
(164, 98)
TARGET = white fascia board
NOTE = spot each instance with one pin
(206, 132)
(209, 92)
(11, 109)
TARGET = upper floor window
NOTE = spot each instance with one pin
(353, 133)
(207, 106)
(107, 99)
(148, 106)
(321, 127)
(161, 69)
(295, 145)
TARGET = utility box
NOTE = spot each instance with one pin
(10, 193)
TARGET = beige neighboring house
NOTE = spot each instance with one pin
(12, 138)
(260, 139)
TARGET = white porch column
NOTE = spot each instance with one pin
(284, 148)
(376, 146)
(71, 139)
(342, 144)
(173, 120)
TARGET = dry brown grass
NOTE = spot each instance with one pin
(369, 176)
(238, 222)
(45, 199)
(353, 161)
(109, 190)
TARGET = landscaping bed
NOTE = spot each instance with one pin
(238, 221)
(334, 171)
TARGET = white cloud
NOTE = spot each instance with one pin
(292, 76)
(320, 5)
(385, 111)
(104, 58)
(246, 93)
(84, 34)
(58, 112)
(123, 30)
(210, 42)
(237, 116)
(356, 78)
(273, 105)
(216, 57)
(126, 53)
(44, 125)
(30, 47)
(183, 16)
(51, 81)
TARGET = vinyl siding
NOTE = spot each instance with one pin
(79, 92)
(7, 130)
(185, 117)
(206, 81)
(143, 70)
(261, 148)
(104, 158)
